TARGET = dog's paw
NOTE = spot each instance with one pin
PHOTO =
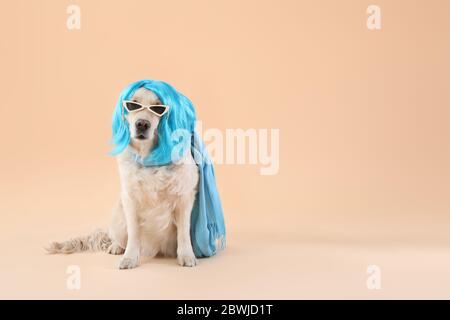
(128, 263)
(115, 249)
(187, 260)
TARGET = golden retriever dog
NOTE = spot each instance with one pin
(153, 213)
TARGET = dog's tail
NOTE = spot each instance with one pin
(98, 240)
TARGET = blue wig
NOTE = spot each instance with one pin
(181, 117)
(207, 221)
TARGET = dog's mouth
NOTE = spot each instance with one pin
(140, 137)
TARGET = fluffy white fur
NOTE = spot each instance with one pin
(153, 213)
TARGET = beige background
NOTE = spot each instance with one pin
(364, 143)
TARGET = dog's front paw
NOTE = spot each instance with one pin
(187, 260)
(128, 263)
(114, 248)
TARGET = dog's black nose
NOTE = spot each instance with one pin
(142, 125)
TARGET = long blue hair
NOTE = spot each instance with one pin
(180, 118)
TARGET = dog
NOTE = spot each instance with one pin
(153, 214)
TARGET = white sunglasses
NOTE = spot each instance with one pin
(157, 109)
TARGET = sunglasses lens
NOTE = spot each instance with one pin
(158, 109)
(131, 106)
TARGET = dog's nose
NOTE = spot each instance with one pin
(142, 125)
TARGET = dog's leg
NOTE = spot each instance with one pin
(132, 251)
(185, 254)
(118, 231)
